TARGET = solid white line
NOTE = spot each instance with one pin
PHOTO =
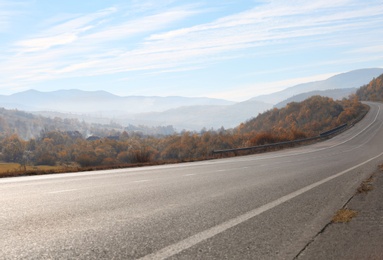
(364, 129)
(199, 237)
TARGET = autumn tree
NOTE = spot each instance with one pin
(13, 149)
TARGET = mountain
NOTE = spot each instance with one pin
(96, 102)
(352, 79)
(335, 94)
(198, 117)
(103, 107)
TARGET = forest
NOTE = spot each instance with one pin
(71, 149)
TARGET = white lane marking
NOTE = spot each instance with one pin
(199, 237)
(364, 129)
(62, 191)
(191, 174)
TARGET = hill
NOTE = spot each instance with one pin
(295, 121)
(373, 91)
(195, 118)
(352, 79)
(335, 94)
(194, 114)
(298, 120)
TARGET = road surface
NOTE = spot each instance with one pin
(266, 206)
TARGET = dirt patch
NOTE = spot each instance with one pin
(344, 216)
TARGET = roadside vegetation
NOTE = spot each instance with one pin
(64, 151)
(373, 91)
(344, 215)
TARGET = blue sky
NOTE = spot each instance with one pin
(232, 49)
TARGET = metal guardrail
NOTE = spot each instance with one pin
(320, 136)
(265, 145)
(323, 135)
(332, 131)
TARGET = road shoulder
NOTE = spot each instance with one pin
(361, 237)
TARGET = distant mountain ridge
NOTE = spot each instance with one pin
(351, 79)
(180, 112)
(335, 94)
(78, 101)
(198, 117)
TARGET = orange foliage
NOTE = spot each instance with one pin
(295, 121)
(373, 91)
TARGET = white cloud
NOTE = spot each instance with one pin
(38, 44)
(140, 25)
(63, 33)
(8, 12)
(151, 41)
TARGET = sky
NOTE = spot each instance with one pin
(233, 49)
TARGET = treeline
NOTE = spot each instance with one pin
(373, 91)
(71, 148)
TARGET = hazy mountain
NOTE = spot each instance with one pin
(198, 117)
(77, 101)
(335, 94)
(186, 117)
(352, 79)
(181, 112)
(103, 107)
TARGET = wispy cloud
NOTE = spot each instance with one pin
(8, 11)
(63, 33)
(152, 39)
(84, 41)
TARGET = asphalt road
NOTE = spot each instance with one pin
(265, 206)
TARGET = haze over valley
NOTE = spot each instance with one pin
(182, 113)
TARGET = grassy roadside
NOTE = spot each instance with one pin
(15, 170)
(345, 214)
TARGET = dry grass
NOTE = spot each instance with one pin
(6, 167)
(366, 186)
(9, 167)
(344, 215)
(15, 169)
